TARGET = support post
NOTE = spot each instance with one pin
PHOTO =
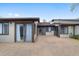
(59, 30)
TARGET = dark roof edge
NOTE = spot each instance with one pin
(20, 19)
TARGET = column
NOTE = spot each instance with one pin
(59, 30)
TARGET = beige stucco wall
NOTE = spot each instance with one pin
(10, 37)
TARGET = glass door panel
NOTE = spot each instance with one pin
(28, 32)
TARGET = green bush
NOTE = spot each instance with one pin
(75, 37)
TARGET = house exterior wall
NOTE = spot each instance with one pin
(77, 30)
(35, 30)
(11, 36)
(64, 35)
(70, 32)
(73, 26)
(45, 30)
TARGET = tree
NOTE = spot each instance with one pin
(74, 6)
(44, 20)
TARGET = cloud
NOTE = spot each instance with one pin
(16, 15)
(13, 15)
(10, 14)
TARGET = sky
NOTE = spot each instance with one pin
(45, 11)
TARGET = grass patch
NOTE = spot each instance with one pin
(75, 37)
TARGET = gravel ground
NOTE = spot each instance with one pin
(44, 46)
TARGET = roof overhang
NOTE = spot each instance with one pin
(66, 21)
(45, 24)
(19, 19)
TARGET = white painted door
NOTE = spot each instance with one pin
(28, 32)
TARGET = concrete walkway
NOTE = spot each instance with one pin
(44, 46)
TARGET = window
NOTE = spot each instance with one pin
(64, 30)
(0, 28)
(4, 28)
(49, 29)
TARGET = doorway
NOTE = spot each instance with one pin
(20, 33)
(23, 32)
(56, 31)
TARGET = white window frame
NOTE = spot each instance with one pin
(2, 29)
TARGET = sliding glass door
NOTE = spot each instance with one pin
(20, 32)
(23, 32)
(28, 32)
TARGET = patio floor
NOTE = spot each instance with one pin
(44, 46)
